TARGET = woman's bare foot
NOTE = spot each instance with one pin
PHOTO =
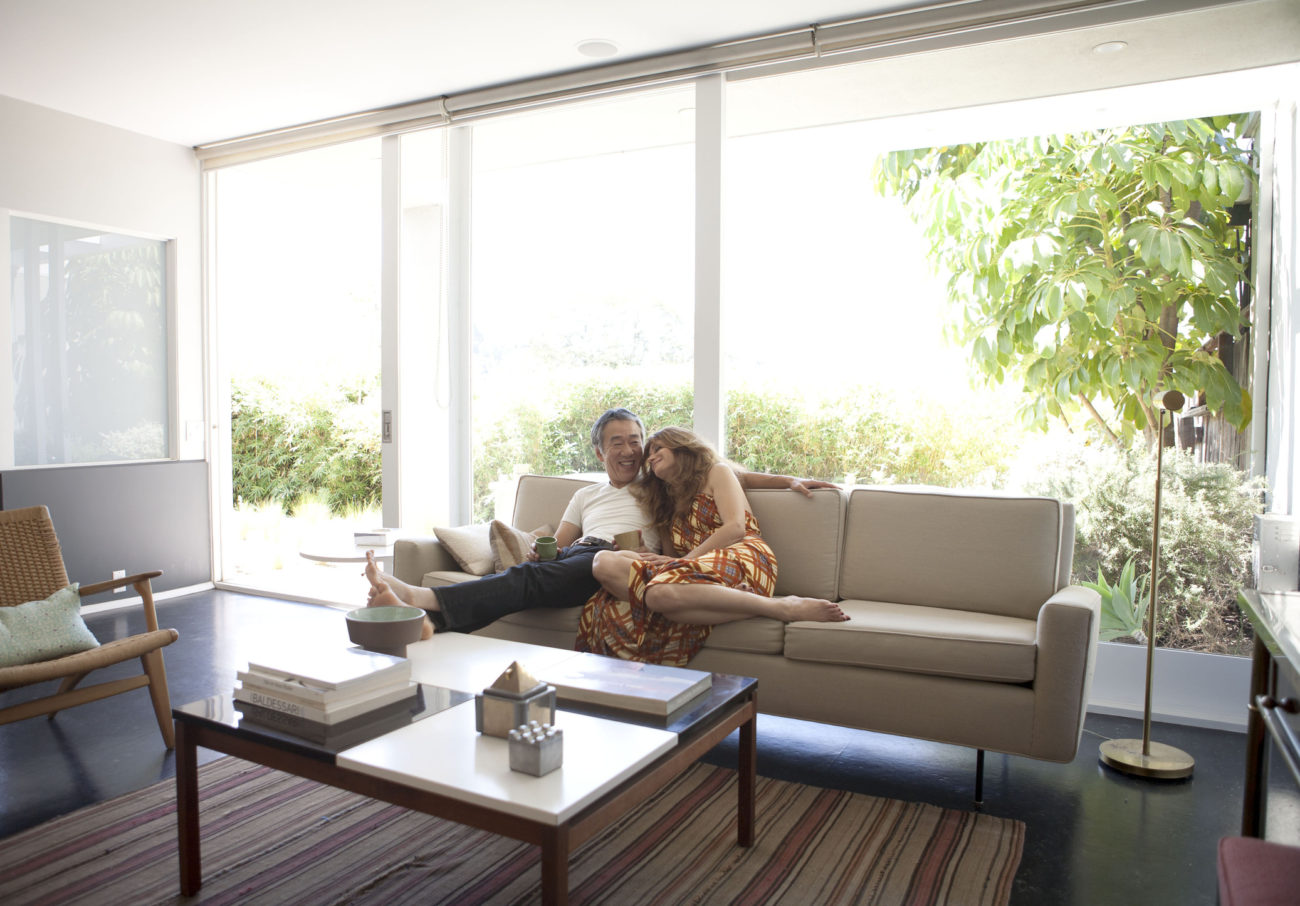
(812, 609)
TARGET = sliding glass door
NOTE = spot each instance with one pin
(295, 270)
(581, 279)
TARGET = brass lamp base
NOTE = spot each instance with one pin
(1164, 762)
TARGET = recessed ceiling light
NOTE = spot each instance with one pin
(597, 48)
(1109, 47)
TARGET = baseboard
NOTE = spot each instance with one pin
(1184, 720)
(280, 595)
(136, 600)
(1188, 687)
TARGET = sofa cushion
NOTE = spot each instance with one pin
(992, 553)
(558, 619)
(914, 639)
(542, 499)
(805, 535)
(757, 635)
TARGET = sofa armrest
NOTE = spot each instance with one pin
(1067, 653)
(413, 557)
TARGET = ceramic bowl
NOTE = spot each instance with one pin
(387, 630)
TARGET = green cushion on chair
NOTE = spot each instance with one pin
(41, 630)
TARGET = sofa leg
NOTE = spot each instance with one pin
(979, 776)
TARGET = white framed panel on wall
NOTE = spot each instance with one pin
(91, 360)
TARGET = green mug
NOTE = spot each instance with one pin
(546, 548)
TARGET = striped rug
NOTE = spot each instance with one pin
(273, 838)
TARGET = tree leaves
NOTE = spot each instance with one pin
(1067, 253)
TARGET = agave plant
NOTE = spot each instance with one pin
(1123, 605)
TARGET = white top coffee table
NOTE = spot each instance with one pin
(444, 754)
(438, 764)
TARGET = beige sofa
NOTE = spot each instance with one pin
(964, 628)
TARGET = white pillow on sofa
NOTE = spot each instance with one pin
(470, 547)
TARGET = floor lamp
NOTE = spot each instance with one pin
(1142, 757)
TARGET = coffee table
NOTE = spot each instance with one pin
(613, 761)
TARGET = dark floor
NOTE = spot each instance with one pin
(1093, 836)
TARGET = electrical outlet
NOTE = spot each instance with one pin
(119, 574)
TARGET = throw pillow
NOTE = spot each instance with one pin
(510, 545)
(42, 630)
(469, 546)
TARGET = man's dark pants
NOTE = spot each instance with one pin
(563, 582)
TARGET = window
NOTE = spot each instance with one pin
(297, 268)
(847, 266)
(89, 339)
(582, 275)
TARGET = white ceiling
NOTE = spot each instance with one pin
(193, 73)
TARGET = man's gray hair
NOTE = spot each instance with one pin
(613, 415)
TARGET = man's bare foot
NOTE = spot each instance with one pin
(409, 595)
(812, 609)
(382, 596)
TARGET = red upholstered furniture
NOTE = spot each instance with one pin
(1255, 872)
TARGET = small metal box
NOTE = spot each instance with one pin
(515, 698)
(536, 749)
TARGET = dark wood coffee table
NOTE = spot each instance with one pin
(217, 723)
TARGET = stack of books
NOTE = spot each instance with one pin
(323, 695)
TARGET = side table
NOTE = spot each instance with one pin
(342, 549)
(1274, 696)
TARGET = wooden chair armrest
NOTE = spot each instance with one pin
(96, 587)
(141, 581)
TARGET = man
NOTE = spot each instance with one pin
(596, 514)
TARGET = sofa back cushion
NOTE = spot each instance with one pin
(805, 535)
(541, 499)
(964, 551)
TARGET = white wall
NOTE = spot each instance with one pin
(67, 168)
(1187, 687)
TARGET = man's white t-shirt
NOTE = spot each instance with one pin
(603, 511)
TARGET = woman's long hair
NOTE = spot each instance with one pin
(662, 500)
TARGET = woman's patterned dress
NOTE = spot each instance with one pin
(634, 632)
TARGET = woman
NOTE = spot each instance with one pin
(717, 568)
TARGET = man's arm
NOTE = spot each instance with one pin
(752, 480)
(567, 534)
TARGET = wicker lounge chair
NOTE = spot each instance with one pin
(31, 568)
